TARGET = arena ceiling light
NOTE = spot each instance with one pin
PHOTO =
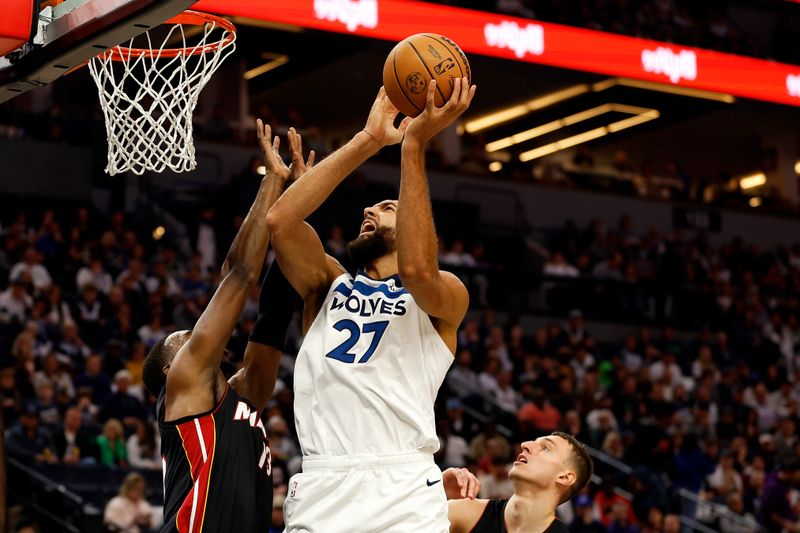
(753, 181)
(555, 125)
(614, 127)
(274, 61)
(518, 110)
(797, 167)
(665, 88)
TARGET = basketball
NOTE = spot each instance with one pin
(414, 62)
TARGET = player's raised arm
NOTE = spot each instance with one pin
(299, 249)
(262, 356)
(440, 294)
(199, 358)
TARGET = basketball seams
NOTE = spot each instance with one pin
(454, 49)
(424, 64)
(452, 54)
(400, 85)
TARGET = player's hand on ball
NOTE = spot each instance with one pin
(272, 157)
(460, 483)
(434, 119)
(298, 166)
(380, 123)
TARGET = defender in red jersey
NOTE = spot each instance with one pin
(214, 447)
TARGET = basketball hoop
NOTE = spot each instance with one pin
(148, 94)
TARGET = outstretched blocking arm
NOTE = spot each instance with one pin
(196, 364)
(262, 356)
(299, 249)
(440, 294)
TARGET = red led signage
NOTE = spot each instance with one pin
(532, 41)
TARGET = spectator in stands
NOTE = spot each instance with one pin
(725, 480)
(10, 397)
(620, 513)
(111, 445)
(495, 483)
(461, 379)
(135, 363)
(453, 449)
(672, 523)
(32, 264)
(71, 348)
(52, 372)
(122, 405)
(95, 275)
(537, 416)
(456, 421)
(49, 413)
(15, 302)
(153, 331)
(557, 266)
(95, 380)
(609, 505)
(90, 315)
(576, 331)
(74, 443)
(144, 447)
(335, 244)
(775, 512)
(487, 380)
(746, 521)
(585, 521)
(506, 397)
(129, 512)
(28, 441)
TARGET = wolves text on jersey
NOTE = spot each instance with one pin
(367, 307)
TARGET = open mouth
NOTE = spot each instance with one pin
(522, 459)
(368, 226)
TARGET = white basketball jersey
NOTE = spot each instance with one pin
(368, 372)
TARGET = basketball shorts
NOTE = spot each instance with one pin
(367, 493)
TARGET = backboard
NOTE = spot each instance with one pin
(65, 34)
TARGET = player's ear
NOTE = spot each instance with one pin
(165, 368)
(566, 478)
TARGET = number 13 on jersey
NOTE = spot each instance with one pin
(342, 352)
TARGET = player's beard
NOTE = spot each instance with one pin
(367, 248)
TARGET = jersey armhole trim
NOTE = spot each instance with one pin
(438, 335)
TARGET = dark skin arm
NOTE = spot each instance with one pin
(256, 380)
(194, 380)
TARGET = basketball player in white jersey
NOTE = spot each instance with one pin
(377, 345)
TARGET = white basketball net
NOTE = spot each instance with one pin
(148, 100)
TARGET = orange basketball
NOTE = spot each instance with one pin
(414, 62)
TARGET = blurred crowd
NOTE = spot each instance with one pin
(709, 414)
(702, 24)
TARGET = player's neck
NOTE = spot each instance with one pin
(383, 267)
(530, 513)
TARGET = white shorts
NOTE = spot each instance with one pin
(367, 493)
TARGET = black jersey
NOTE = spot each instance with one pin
(217, 469)
(493, 520)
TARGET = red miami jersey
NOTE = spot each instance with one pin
(217, 469)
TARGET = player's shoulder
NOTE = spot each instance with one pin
(465, 514)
